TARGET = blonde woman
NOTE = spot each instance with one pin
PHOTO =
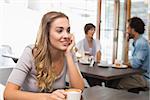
(41, 70)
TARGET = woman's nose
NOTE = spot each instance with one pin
(66, 35)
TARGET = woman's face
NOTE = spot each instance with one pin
(91, 32)
(60, 34)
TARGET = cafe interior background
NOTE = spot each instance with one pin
(20, 19)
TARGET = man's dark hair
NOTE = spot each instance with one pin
(137, 24)
(88, 27)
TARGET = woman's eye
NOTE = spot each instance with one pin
(68, 30)
(59, 31)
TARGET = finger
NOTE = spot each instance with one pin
(59, 94)
(72, 40)
(71, 37)
(62, 91)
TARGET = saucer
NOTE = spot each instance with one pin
(84, 62)
(104, 65)
(121, 66)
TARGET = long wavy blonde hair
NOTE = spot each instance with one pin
(42, 53)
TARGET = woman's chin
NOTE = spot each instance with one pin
(64, 48)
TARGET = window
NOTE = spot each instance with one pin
(121, 31)
(139, 8)
(79, 12)
(21, 28)
(107, 28)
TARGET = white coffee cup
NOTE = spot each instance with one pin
(73, 94)
(118, 63)
(103, 62)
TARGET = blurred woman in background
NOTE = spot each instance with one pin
(88, 45)
(91, 48)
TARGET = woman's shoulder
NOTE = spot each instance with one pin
(28, 50)
(30, 46)
(81, 41)
(97, 40)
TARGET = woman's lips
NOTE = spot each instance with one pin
(65, 43)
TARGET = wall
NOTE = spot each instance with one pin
(19, 26)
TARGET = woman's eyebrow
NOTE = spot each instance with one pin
(60, 27)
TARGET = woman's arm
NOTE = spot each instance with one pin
(13, 92)
(98, 56)
(75, 77)
(98, 51)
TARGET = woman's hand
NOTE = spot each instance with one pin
(71, 43)
(57, 95)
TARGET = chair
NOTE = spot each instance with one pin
(2, 88)
(15, 59)
(4, 74)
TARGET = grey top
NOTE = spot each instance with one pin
(83, 46)
(24, 74)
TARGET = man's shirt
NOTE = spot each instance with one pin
(141, 55)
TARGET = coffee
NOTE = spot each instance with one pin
(73, 90)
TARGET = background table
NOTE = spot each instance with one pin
(96, 74)
(107, 73)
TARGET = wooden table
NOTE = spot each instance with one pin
(96, 75)
(104, 93)
(107, 73)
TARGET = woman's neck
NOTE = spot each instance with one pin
(56, 54)
(89, 39)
